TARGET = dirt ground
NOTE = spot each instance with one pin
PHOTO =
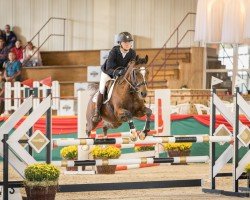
(166, 172)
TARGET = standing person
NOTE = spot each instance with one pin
(10, 37)
(3, 53)
(18, 50)
(12, 69)
(114, 66)
(31, 56)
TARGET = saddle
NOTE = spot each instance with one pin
(108, 91)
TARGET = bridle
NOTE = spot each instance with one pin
(133, 83)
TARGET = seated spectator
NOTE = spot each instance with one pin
(3, 53)
(2, 35)
(18, 50)
(31, 56)
(1, 93)
(12, 71)
(10, 37)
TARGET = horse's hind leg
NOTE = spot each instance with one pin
(105, 130)
(146, 128)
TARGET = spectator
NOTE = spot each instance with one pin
(10, 37)
(12, 69)
(18, 50)
(2, 35)
(1, 93)
(31, 56)
(3, 53)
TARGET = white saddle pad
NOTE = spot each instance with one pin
(94, 99)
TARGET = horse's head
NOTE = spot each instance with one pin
(137, 76)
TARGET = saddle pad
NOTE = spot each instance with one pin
(94, 99)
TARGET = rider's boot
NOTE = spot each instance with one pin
(97, 115)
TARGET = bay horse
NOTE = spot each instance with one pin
(127, 101)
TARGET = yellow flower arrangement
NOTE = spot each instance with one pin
(41, 174)
(178, 146)
(145, 148)
(247, 168)
(69, 152)
(106, 152)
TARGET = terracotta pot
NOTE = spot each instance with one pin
(71, 168)
(109, 169)
(172, 153)
(41, 193)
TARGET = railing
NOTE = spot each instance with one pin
(37, 35)
(164, 48)
(244, 69)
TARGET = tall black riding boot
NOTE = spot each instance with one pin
(97, 115)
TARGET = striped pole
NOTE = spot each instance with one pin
(105, 162)
(134, 166)
(124, 146)
(149, 139)
(117, 134)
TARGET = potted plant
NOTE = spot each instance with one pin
(106, 152)
(178, 149)
(69, 153)
(144, 148)
(247, 169)
(41, 181)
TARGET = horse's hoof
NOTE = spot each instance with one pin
(142, 136)
(133, 135)
(133, 138)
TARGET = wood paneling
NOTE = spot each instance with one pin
(93, 57)
(188, 72)
(59, 73)
(71, 58)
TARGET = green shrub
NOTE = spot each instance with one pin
(145, 148)
(178, 146)
(41, 174)
(69, 152)
(106, 152)
(247, 168)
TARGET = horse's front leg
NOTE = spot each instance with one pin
(146, 128)
(126, 116)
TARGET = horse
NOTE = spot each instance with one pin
(127, 101)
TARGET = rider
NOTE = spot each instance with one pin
(114, 66)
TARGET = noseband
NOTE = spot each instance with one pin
(133, 83)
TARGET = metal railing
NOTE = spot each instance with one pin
(38, 34)
(164, 48)
(231, 61)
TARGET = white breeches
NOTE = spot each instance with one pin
(103, 81)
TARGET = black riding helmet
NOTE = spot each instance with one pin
(124, 37)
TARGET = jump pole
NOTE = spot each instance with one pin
(148, 140)
(105, 162)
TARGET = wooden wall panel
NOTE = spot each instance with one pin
(92, 24)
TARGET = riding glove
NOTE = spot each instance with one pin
(119, 72)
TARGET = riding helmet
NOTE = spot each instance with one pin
(124, 37)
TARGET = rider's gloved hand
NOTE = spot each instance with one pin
(118, 72)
